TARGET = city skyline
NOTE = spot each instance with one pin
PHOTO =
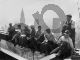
(11, 10)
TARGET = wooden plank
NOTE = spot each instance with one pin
(12, 54)
(49, 57)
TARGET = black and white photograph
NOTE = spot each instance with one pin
(39, 29)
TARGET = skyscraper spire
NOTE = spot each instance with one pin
(22, 18)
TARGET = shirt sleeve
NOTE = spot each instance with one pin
(71, 43)
(61, 39)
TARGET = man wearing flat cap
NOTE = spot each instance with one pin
(66, 48)
(70, 25)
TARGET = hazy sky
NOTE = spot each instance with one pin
(10, 10)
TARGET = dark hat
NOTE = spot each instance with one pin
(69, 15)
(19, 25)
(48, 30)
(10, 23)
(32, 27)
(39, 26)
